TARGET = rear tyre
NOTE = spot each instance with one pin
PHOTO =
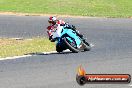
(58, 49)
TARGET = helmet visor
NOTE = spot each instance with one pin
(50, 21)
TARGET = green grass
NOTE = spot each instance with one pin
(12, 47)
(101, 8)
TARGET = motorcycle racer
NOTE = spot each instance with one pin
(55, 28)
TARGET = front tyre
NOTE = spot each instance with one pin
(87, 46)
(71, 46)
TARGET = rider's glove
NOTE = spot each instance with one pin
(52, 40)
(50, 37)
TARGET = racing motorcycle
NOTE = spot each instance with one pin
(70, 40)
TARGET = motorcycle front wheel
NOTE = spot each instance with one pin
(70, 46)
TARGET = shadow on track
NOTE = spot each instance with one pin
(49, 53)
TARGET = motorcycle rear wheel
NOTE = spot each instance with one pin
(58, 48)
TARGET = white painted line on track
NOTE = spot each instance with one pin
(55, 52)
(17, 38)
(52, 52)
(49, 52)
(15, 57)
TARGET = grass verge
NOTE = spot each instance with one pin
(13, 47)
(101, 8)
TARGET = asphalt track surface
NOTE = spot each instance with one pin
(112, 53)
